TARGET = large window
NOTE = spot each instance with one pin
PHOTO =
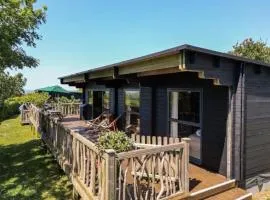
(106, 100)
(185, 117)
(99, 101)
(132, 110)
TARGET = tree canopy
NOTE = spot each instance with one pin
(11, 86)
(19, 23)
(256, 50)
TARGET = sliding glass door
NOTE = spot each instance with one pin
(132, 110)
(99, 101)
(185, 117)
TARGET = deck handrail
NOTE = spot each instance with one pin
(103, 175)
(76, 155)
(67, 108)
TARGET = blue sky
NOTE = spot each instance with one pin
(84, 34)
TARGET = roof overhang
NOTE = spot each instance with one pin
(167, 61)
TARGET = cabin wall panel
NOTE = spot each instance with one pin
(146, 110)
(258, 123)
(215, 108)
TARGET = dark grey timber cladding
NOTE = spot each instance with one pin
(146, 110)
(206, 64)
(121, 101)
(238, 123)
(84, 95)
(112, 100)
(161, 120)
(215, 110)
(257, 124)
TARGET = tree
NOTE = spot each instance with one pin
(11, 86)
(19, 22)
(256, 50)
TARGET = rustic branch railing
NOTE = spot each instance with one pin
(78, 157)
(25, 116)
(67, 108)
(149, 172)
(154, 171)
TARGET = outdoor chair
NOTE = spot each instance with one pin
(104, 122)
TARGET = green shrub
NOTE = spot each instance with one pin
(11, 105)
(118, 141)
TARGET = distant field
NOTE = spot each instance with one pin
(26, 170)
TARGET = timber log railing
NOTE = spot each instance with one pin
(25, 116)
(151, 171)
(67, 108)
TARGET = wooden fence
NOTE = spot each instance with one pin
(67, 108)
(148, 172)
(154, 171)
(25, 116)
(78, 157)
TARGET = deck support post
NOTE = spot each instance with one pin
(110, 174)
(186, 163)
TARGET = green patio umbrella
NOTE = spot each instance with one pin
(53, 89)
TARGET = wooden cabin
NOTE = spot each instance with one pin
(220, 101)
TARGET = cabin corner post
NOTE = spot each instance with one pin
(229, 134)
(239, 120)
(110, 174)
(186, 142)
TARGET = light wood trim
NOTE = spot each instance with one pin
(201, 75)
(247, 196)
(141, 152)
(101, 74)
(182, 60)
(81, 189)
(76, 78)
(141, 145)
(210, 191)
(159, 72)
(85, 141)
(111, 167)
(186, 142)
(150, 65)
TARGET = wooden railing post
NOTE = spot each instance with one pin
(186, 164)
(111, 170)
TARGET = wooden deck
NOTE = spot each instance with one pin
(199, 178)
(74, 123)
(73, 139)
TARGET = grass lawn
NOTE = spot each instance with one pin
(26, 170)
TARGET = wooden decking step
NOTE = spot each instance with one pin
(226, 190)
(232, 194)
(213, 190)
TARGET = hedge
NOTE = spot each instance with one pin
(11, 105)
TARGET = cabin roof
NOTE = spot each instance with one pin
(169, 52)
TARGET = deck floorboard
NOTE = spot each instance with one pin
(201, 178)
